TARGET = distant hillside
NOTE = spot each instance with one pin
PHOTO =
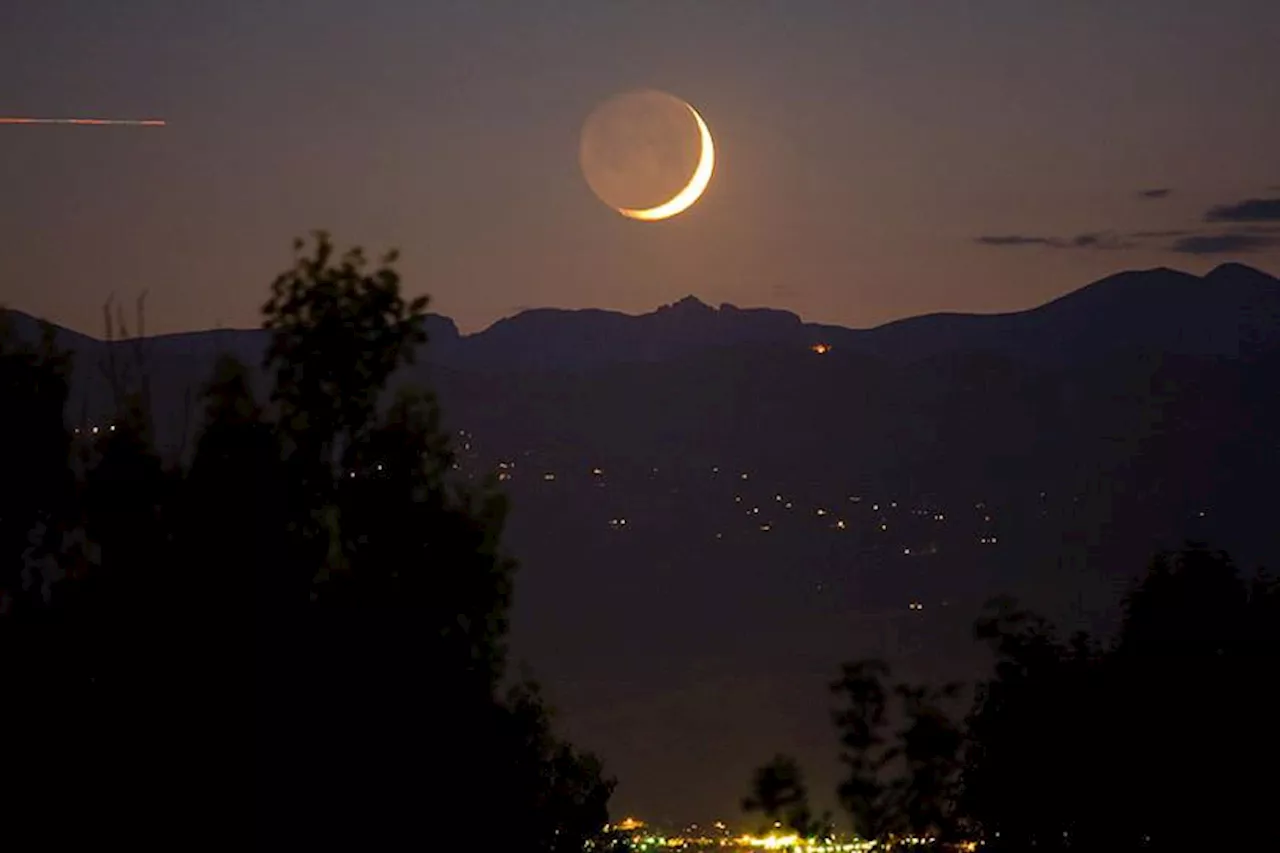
(1234, 311)
(706, 367)
(1229, 312)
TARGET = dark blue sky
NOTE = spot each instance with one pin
(863, 148)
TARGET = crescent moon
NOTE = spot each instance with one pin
(692, 191)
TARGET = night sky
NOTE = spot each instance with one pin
(864, 148)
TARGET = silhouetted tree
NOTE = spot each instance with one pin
(780, 796)
(392, 612)
(1030, 724)
(1160, 738)
(900, 782)
(41, 686)
(557, 795)
(314, 601)
(34, 448)
(1163, 738)
(931, 750)
(1198, 672)
(866, 752)
(93, 630)
(232, 527)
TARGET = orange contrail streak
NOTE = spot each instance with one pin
(97, 122)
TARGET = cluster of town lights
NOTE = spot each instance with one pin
(778, 839)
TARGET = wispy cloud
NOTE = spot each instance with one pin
(1222, 244)
(1096, 240)
(1160, 192)
(1014, 240)
(1249, 210)
(1160, 235)
(1099, 240)
(1244, 237)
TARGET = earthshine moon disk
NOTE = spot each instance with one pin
(647, 154)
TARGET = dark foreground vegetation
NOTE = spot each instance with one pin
(293, 637)
(1163, 737)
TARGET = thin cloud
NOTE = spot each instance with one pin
(1096, 240)
(1221, 244)
(1160, 235)
(1099, 240)
(1014, 240)
(1249, 210)
(1160, 192)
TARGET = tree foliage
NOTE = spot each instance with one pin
(303, 628)
(899, 781)
(779, 794)
(1161, 739)
(865, 749)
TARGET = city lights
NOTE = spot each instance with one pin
(645, 837)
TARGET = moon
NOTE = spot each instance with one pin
(647, 154)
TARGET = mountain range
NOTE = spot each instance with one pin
(1231, 311)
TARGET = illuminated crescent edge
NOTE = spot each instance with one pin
(692, 191)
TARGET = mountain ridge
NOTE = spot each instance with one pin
(691, 305)
(1232, 311)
